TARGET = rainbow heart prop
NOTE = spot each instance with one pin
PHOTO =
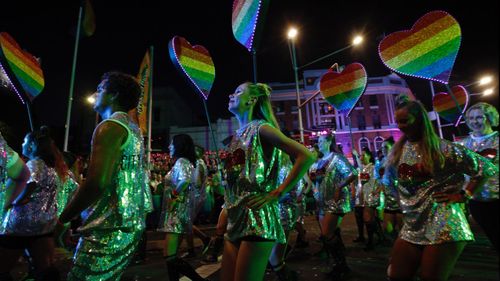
(245, 20)
(22, 69)
(447, 108)
(195, 62)
(343, 90)
(426, 51)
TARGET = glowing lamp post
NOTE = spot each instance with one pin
(292, 34)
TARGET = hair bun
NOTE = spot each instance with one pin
(44, 131)
(401, 99)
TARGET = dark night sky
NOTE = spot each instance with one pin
(125, 31)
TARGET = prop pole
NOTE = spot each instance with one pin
(431, 84)
(150, 103)
(254, 62)
(350, 130)
(335, 65)
(326, 56)
(291, 45)
(211, 131)
(28, 108)
(457, 105)
(72, 81)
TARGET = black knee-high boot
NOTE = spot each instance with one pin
(358, 212)
(178, 266)
(336, 249)
(172, 273)
(370, 229)
(284, 273)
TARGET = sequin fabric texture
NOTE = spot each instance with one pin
(38, 216)
(66, 192)
(200, 187)
(7, 158)
(390, 191)
(425, 221)
(288, 204)
(327, 173)
(366, 194)
(249, 172)
(177, 210)
(486, 146)
(113, 226)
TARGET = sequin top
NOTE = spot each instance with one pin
(326, 174)
(123, 206)
(249, 172)
(201, 173)
(8, 157)
(425, 221)
(486, 146)
(176, 215)
(38, 216)
(66, 192)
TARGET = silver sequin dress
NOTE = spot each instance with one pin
(39, 215)
(113, 226)
(486, 146)
(390, 198)
(8, 157)
(289, 206)
(249, 172)
(426, 222)
(328, 172)
(177, 218)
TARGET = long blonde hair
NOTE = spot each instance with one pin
(263, 108)
(429, 143)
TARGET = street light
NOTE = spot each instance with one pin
(485, 80)
(91, 99)
(357, 40)
(292, 34)
(488, 92)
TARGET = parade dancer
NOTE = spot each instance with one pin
(392, 215)
(483, 206)
(31, 220)
(331, 175)
(115, 197)
(430, 172)
(252, 193)
(178, 196)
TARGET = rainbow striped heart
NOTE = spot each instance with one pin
(245, 20)
(343, 90)
(22, 69)
(195, 62)
(446, 107)
(426, 51)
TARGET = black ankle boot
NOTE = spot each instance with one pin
(284, 273)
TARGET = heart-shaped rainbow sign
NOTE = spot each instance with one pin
(343, 90)
(426, 51)
(21, 68)
(195, 62)
(451, 109)
(245, 20)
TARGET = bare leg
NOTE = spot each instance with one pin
(438, 261)
(252, 260)
(404, 260)
(229, 259)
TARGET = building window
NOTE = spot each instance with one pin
(377, 142)
(373, 100)
(359, 104)
(361, 122)
(363, 142)
(376, 121)
(397, 82)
